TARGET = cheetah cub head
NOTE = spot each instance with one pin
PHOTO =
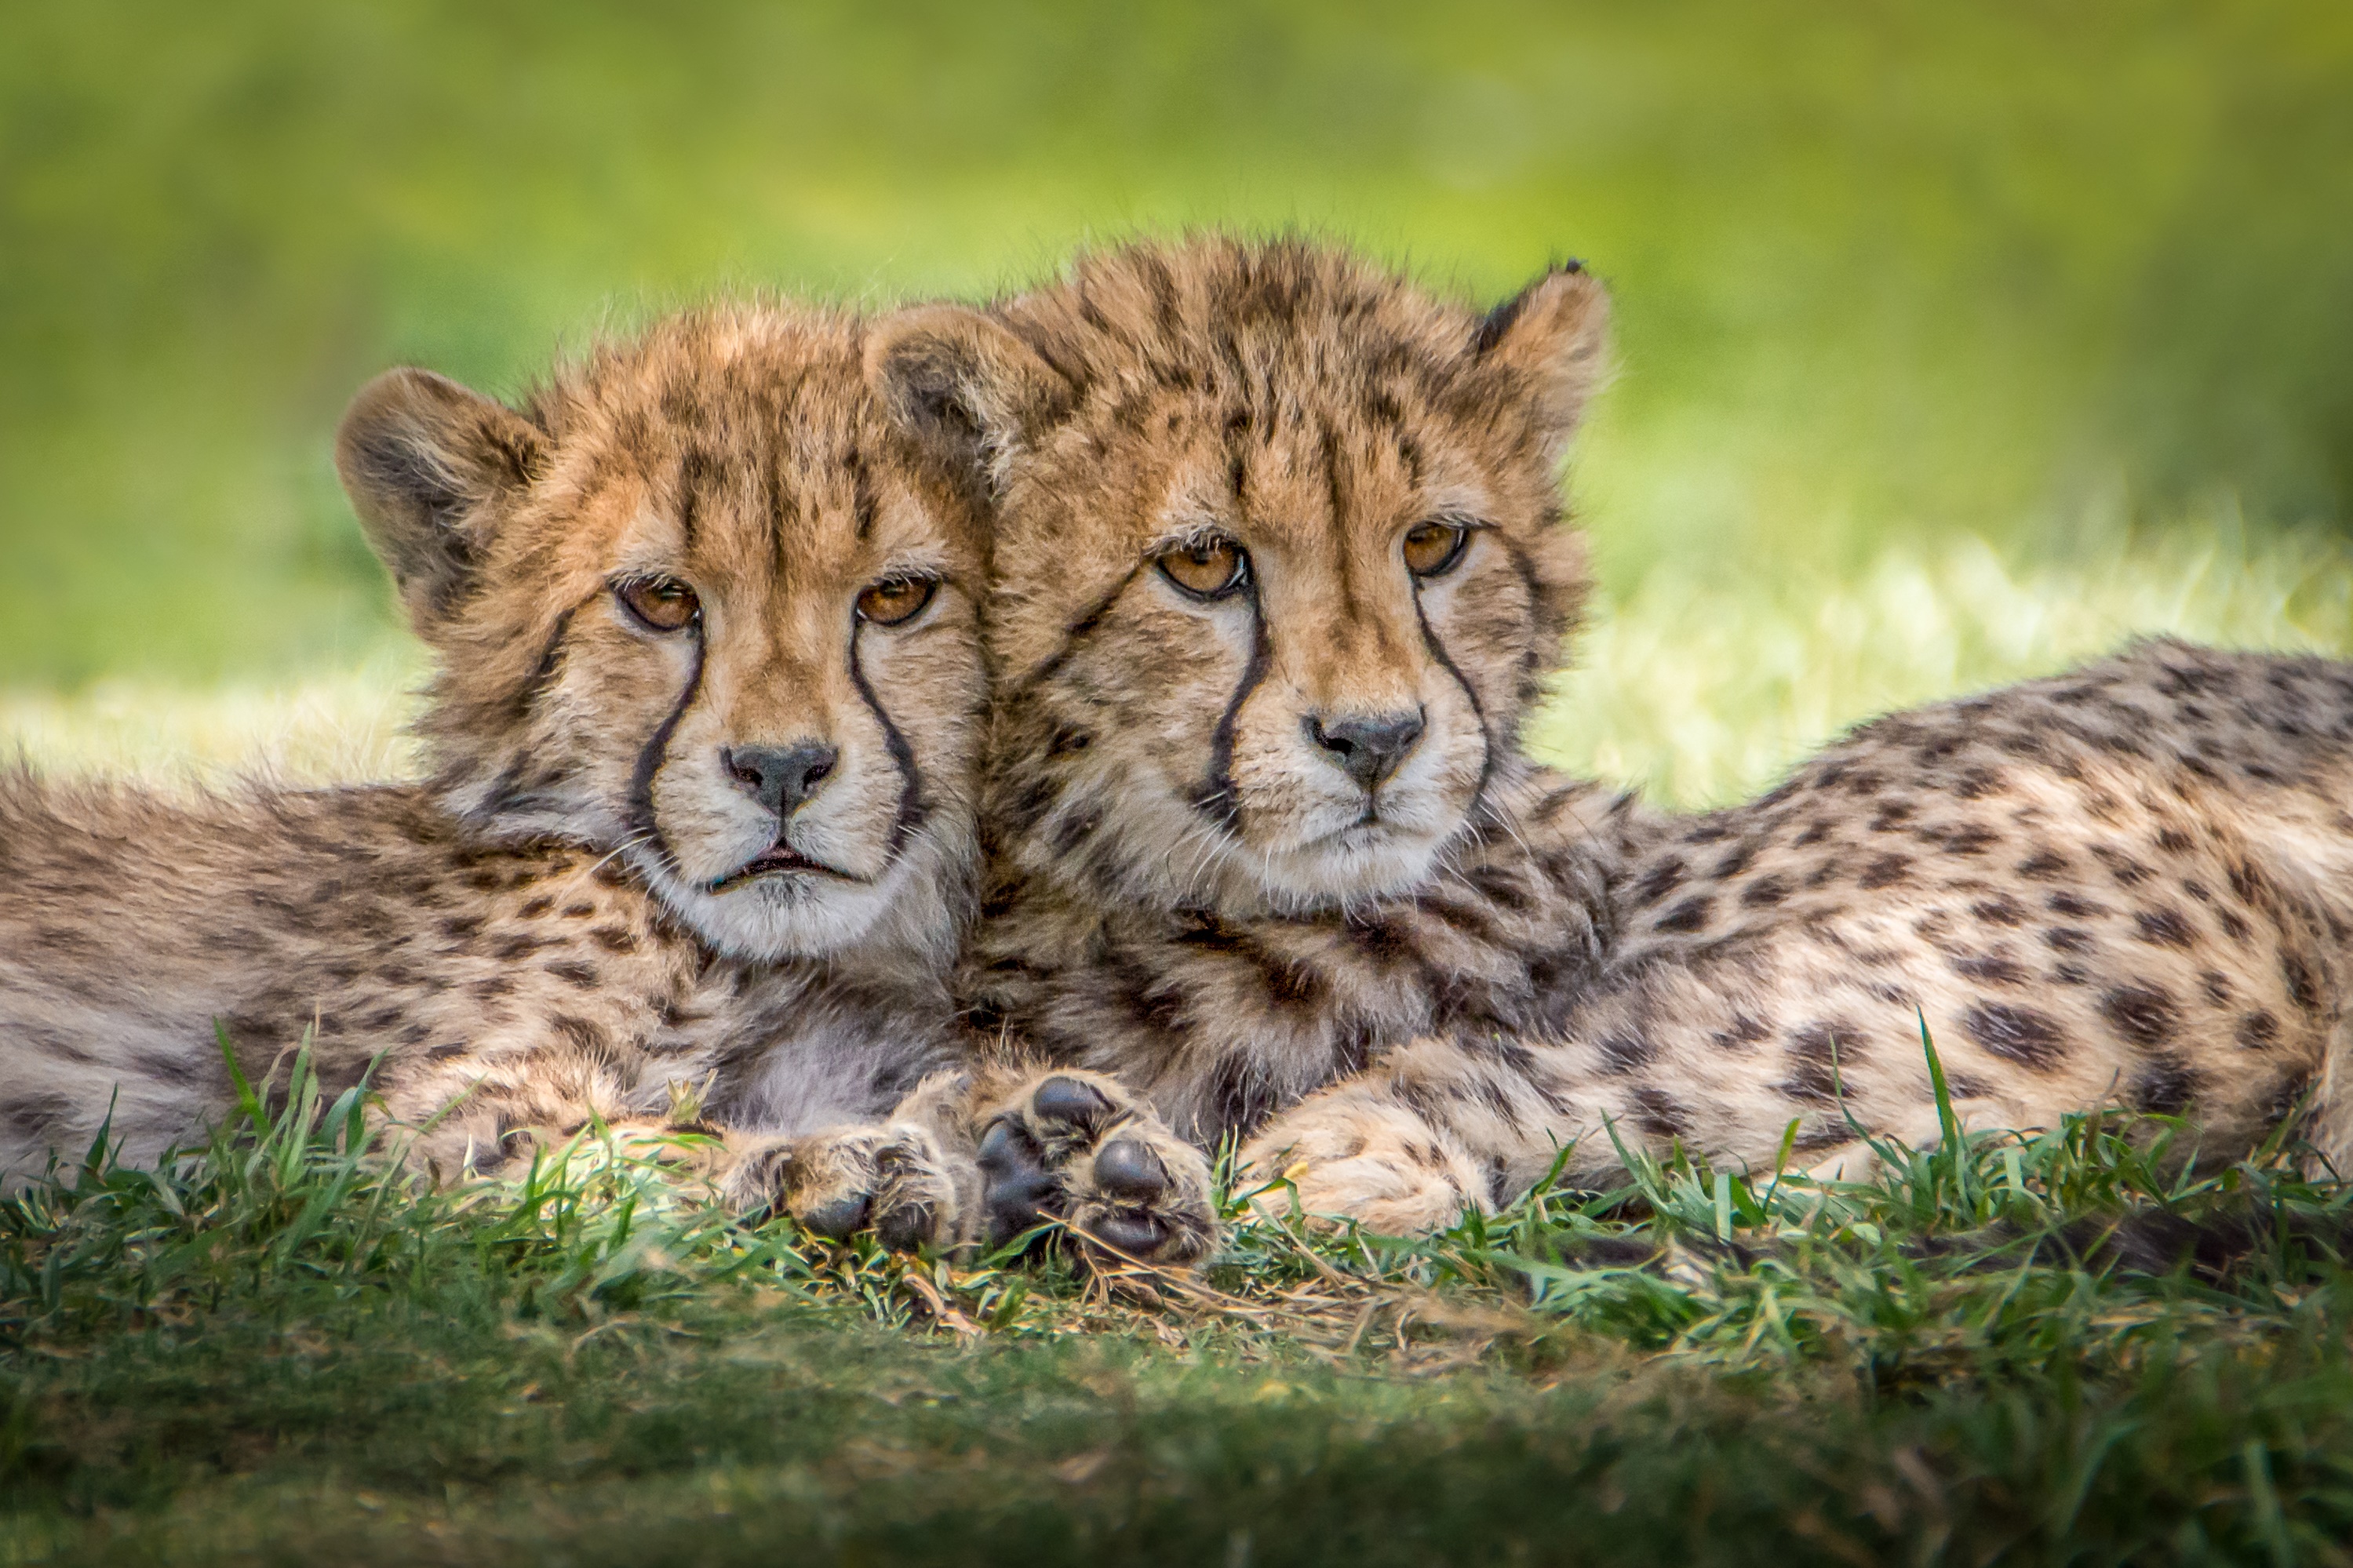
(1279, 559)
(698, 604)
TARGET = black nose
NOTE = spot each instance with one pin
(1368, 749)
(781, 777)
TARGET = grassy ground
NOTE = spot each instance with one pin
(280, 1354)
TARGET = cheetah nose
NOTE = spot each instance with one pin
(781, 778)
(1367, 749)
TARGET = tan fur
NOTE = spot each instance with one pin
(2124, 886)
(532, 938)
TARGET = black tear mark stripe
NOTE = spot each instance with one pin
(914, 805)
(1076, 632)
(1471, 694)
(655, 751)
(551, 657)
(1215, 797)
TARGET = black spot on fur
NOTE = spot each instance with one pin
(1764, 892)
(2074, 908)
(1744, 1032)
(1659, 1114)
(1624, 1052)
(2259, 1030)
(1817, 1053)
(2044, 865)
(1970, 839)
(2166, 928)
(1884, 871)
(519, 945)
(2144, 1015)
(2166, 1086)
(2127, 871)
(2021, 1034)
(1992, 969)
(1663, 878)
(1690, 915)
(2001, 911)
(2302, 988)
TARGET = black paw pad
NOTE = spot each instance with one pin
(841, 1217)
(1020, 1191)
(1137, 1235)
(1071, 1100)
(1129, 1173)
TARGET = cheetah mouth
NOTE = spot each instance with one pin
(777, 860)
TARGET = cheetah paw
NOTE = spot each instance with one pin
(1376, 1165)
(892, 1179)
(1077, 1148)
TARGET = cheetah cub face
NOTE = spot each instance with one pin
(698, 604)
(1279, 558)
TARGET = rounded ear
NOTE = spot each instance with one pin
(1551, 335)
(964, 387)
(424, 461)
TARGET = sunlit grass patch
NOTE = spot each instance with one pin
(1702, 684)
(333, 725)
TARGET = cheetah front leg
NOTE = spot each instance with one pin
(1408, 1145)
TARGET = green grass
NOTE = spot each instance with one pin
(285, 1349)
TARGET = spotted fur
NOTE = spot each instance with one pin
(2124, 886)
(555, 926)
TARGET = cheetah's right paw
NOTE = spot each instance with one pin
(892, 1178)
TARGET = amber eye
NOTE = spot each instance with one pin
(1432, 548)
(662, 604)
(896, 599)
(1207, 569)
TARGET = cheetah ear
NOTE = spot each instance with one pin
(965, 387)
(1550, 336)
(424, 462)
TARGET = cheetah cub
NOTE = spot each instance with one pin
(699, 829)
(1279, 566)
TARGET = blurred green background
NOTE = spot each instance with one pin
(2067, 289)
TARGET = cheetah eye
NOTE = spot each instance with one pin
(896, 599)
(1434, 549)
(659, 604)
(1206, 569)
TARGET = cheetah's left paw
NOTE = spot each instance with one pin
(1077, 1147)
